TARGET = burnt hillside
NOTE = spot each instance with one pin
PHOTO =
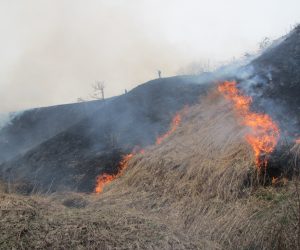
(74, 155)
(34, 126)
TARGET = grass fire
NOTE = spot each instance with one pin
(263, 132)
(175, 123)
(105, 178)
(161, 125)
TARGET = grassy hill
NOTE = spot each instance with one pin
(196, 190)
(200, 188)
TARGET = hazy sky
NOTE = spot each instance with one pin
(51, 51)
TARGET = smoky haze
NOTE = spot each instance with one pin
(52, 51)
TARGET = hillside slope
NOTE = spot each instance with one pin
(196, 190)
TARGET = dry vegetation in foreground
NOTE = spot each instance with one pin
(193, 191)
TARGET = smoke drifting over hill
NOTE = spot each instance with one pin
(6, 118)
(52, 51)
(92, 137)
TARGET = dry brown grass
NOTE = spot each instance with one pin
(193, 191)
(44, 223)
(199, 182)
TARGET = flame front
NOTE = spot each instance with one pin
(174, 125)
(264, 132)
(104, 179)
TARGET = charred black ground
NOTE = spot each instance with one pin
(87, 139)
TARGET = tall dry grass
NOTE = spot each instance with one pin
(201, 182)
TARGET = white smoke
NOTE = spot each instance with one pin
(6, 118)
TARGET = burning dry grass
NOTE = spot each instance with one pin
(207, 157)
(200, 182)
(193, 191)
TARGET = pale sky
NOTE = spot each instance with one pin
(51, 51)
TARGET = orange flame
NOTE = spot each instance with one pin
(264, 132)
(274, 180)
(175, 123)
(104, 179)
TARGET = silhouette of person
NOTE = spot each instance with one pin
(159, 73)
(125, 91)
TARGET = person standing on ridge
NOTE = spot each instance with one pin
(159, 73)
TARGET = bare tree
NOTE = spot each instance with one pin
(98, 89)
(265, 43)
(80, 99)
(97, 93)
